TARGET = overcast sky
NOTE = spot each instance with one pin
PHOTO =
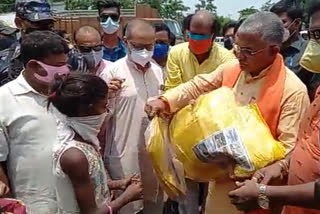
(229, 7)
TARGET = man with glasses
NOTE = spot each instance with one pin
(109, 18)
(259, 76)
(303, 172)
(197, 56)
(132, 81)
(89, 44)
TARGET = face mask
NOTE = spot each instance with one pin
(5, 43)
(199, 44)
(160, 50)
(141, 57)
(88, 127)
(287, 35)
(93, 58)
(228, 43)
(52, 71)
(311, 57)
(110, 26)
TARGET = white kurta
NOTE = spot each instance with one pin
(125, 151)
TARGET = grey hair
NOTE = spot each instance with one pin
(267, 24)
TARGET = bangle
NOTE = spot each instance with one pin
(166, 104)
(110, 209)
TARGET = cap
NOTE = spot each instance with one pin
(6, 29)
(34, 10)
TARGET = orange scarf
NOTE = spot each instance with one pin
(270, 94)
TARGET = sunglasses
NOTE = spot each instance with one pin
(138, 47)
(114, 17)
(314, 34)
(87, 49)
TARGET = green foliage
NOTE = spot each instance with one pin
(222, 21)
(247, 12)
(7, 6)
(207, 5)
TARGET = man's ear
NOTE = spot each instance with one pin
(298, 23)
(18, 21)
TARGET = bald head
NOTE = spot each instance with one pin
(202, 22)
(87, 35)
(138, 28)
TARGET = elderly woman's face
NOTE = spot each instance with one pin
(253, 53)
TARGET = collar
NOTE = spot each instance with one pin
(297, 43)
(118, 47)
(135, 66)
(249, 78)
(21, 86)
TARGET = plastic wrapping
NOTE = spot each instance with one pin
(215, 124)
(168, 169)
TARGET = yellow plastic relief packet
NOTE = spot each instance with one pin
(216, 124)
(169, 170)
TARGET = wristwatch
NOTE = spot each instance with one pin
(263, 200)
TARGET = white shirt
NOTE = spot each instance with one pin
(28, 133)
(125, 152)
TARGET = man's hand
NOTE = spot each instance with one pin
(134, 192)
(154, 107)
(114, 86)
(269, 173)
(245, 197)
(4, 189)
(126, 182)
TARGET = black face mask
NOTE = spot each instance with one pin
(228, 43)
(6, 42)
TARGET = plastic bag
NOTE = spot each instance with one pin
(169, 170)
(215, 124)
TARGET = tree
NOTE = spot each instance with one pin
(266, 6)
(172, 9)
(7, 6)
(207, 5)
(220, 22)
(247, 12)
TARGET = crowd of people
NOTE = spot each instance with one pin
(74, 111)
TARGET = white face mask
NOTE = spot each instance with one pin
(287, 35)
(110, 26)
(93, 58)
(141, 57)
(88, 127)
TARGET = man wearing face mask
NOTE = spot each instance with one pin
(229, 33)
(27, 128)
(303, 161)
(138, 80)
(199, 55)
(7, 38)
(161, 48)
(258, 76)
(293, 45)
(88, 42)
(109, 18)
(31, 15)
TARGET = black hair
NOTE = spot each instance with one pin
(172, 38)
(239, 23)
(286, 6)
(186, 22)
(231, 24)
(70, 93)
(162, 27)
(39, 45)
(314, 7)
(104, 4)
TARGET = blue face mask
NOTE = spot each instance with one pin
(160, 50)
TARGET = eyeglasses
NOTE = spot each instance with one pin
(87, 49)
(245, 51)
(314, 34)
(149, 47)
(114, 17)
